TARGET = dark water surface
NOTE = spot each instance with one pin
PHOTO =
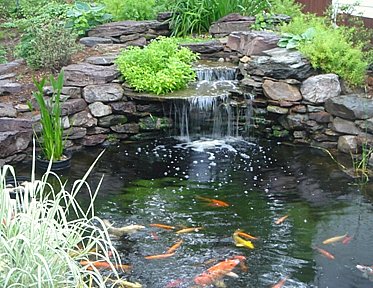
(158, 183)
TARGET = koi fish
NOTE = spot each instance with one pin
(187, 230)
(125, 230)
(218, 271)
(174, 283)
(159, 256)
(334, 239)
(163, 226)
(123, 283)
(245, 235)
(242, 242)
(346, 240)
(174, 247)
(325, 253)
(213, 202)
(104, 265)
(282, 219)
(280, 283)
(365, 269)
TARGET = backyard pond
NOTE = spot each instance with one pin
(169, 181)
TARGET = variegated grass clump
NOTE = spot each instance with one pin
(45, 233)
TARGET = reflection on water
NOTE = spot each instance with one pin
(158, 183)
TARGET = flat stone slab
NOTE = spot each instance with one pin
(84, 74)
(8, 67)
(103, 93)
(207, 47)
(15, 124)
(9, 87)
(102, 60)
(93, 41)
(350, 107)
(281, 91)
(7, 110)
(12, 142)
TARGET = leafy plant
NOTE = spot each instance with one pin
(46, 234)
(131, 9)
(286, 7)
(2, 55)
(83, 16)
(51, 139)
(49, 46)
(161, 67)
(291, 41)
(360, 165)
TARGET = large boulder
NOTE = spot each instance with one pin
(319, 88)
(280, 63)
(230, 23)
(252, 42)
(84, 74)
(103, 93)
(350, 106)
(281, 91)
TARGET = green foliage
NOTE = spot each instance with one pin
(287, 7)
(45, 234)
(51, 140)
(83, 16)
(131, 9)
(2, 55)
(330, 48)
(196, 16)
(49, 46)
(161, 67)
(291, 41)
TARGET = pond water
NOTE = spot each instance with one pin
(161, 182)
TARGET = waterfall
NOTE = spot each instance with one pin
(213, 107)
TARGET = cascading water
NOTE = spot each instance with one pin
(213, 106)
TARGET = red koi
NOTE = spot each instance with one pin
(163, 226)
(245, 235)
(159, 256)
(327, 254)
(280, 283)
(104, 265)
(214, 202)
(346, 240)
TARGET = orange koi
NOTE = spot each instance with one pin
(218, 271)
(187, 230)
(174, 283)
(104, 265)
(214, 202)
(327, 254)
(282, 219)
(174, 247)
(334, 239)
(163, 226)
(159, 256)
(245, 235)
(280, 283)
(346, 240)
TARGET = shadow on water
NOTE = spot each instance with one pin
(159, 181)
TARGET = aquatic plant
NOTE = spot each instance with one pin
(159, 68)
(45, 234)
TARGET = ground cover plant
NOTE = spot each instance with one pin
(45, 234)
(159, 68)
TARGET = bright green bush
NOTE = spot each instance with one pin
(287, 7)
(2, 55)
(159, 68)
(131, 9)
(196, 16)
(330, 49)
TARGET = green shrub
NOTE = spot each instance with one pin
(45, 234)
(2, 55)
(330, 48)
(196, 16)
(50, 46)
(161, 67)
(83, 16)
(131, 9)
(287, 7)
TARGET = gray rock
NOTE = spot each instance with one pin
(370, 161)
(163, 16)
(294, 121)
(252, 42)
(154, 123)
(348, 144)
(130, 37)
(12, 142)
(75, 133)
(111, 120)
(152, 108)
(102, 60)
(319, 88)
(127, 108)
(129, 128)
(8, 67)
(7, 110)
(72, 106)
(141, 42)
(300, 134)
(84, 74)
(229, 23)
(14, 124)
(207, 47)
(299, 109)
(344, 126)
(72, 92)
(350, 107)
(22, 108)
(103, 93)
(83, 119)
(116, 29)
(277, 109)
(97, 130)
(281, 91)
(7, 76)
(280, 63)
(65, 122)
(9, 87)
(365, 125)
(99, 109)
(313, 109)
(321, 117)
(93, 140)
(93, 41)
